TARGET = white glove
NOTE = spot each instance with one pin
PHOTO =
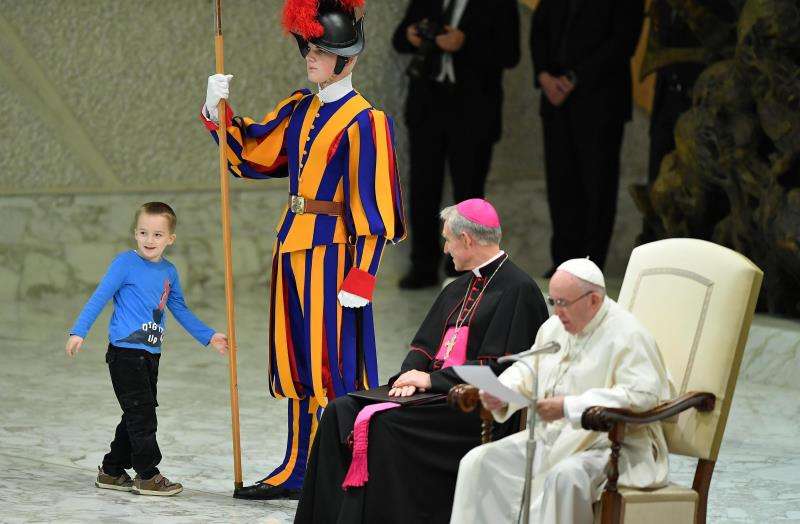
(217, 89)
(350, 300)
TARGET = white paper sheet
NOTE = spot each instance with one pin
(483, 378)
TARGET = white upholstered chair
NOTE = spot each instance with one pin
(697, 298)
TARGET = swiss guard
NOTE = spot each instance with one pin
(344, 205)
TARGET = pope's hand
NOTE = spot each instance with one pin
(491, 402)
(550, 409)
(217, 89)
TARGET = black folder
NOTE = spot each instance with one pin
(381, 394)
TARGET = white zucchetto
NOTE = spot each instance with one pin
(584, 269)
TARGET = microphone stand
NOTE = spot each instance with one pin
(525, 508)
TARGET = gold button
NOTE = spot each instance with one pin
(316, 116)
(308, 138)
(312, 126)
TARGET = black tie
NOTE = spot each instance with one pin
(447, 19)
(447, 14)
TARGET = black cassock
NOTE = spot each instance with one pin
(414, 451)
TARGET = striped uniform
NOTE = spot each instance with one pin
(340, 151)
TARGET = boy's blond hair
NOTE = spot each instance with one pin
(158, 208)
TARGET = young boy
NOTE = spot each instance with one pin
(141, 282)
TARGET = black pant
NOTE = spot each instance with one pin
(483, 164)
(582, 164)
(134, 374)
(442, 136)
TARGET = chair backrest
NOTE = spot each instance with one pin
(697, 299)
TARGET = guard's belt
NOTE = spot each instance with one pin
(300, 205)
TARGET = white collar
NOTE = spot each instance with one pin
(336, 90)
(477, 270)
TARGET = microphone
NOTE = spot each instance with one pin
(550, 347)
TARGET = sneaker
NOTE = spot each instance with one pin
(158, 485)
(121, 482)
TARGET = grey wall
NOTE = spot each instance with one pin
(101, 100)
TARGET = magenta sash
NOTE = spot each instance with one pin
(358, 474)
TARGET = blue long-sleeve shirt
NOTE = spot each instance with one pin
(140, 289)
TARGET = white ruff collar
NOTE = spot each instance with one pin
(336, 90)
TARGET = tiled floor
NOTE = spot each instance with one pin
(57, 416)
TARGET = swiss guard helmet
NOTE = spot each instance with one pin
(336, 26)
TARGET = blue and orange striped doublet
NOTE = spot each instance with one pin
(340, 151)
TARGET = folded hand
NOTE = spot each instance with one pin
(451, 40)
(409, 383)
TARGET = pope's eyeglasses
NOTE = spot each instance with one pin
(563, 302)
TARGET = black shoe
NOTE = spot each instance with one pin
(550, 272)
(262, 491)
(418, 280)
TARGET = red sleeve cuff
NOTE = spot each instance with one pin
(359, 283)
(211, 125)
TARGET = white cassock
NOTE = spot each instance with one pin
(613, 362)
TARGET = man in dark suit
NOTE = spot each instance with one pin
(507, 53)
(453, 109)
(581, 54)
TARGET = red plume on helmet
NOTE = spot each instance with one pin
(300, 16)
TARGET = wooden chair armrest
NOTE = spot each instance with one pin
(613, 421)
(598, 418)
(464, 397)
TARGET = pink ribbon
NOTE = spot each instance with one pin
(358, 474)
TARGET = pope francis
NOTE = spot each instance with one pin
(607, 358)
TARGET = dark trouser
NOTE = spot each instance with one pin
(413, 454)
(483, 163)
(582, 164)
(443, 136)
(134, 374)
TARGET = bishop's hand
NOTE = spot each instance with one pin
(404, 391)
(409, 383)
